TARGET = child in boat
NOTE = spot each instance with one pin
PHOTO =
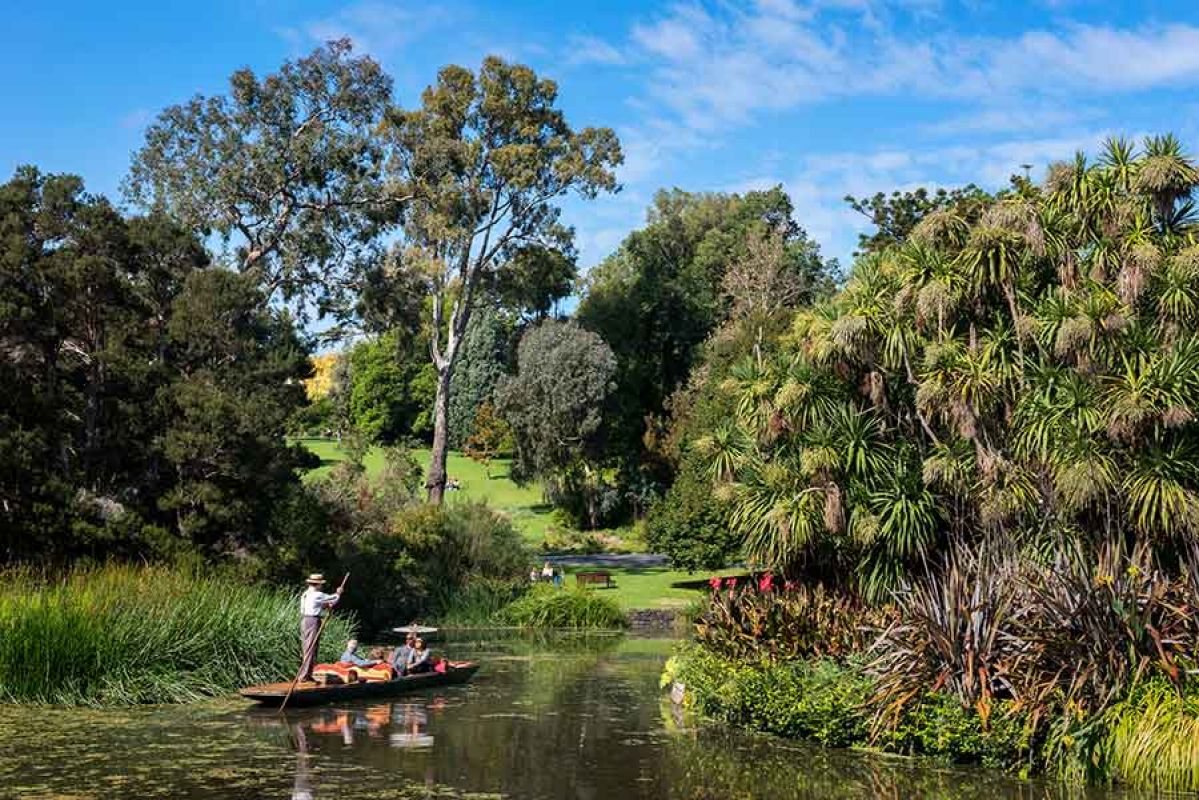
(351, 657)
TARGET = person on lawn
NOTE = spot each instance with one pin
(313, 603)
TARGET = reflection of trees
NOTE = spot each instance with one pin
(710, 763)
(587, 723)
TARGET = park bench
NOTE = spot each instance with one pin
(595, 578)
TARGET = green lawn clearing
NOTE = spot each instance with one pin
(649, 587)
(523, 504)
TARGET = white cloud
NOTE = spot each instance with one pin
(376, 27)
(720, 65)
(593, 50)
(1097, 59)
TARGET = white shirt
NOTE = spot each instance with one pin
(313, 602)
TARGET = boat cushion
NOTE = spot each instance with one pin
(379, 672)
(335, 673)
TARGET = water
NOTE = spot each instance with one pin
(577, 718)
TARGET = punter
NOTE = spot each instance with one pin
(312, 607)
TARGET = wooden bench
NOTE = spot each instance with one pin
(595, 578)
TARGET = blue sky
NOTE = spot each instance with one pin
(826, 97)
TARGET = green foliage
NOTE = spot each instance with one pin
(407, 558)
(830, 703)
(479, 602)
(483, 164)
(286, 168)
(389, 392)
(555, 404)
(229, 409)
(894, 215)
(662, 294)
(690, 526)
(120, 635)
(1152, 740)
(481, 364)
(547, 607)
(1020, 365)
(150, 394)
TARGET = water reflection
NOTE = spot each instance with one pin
(545, 720)
(582, 723)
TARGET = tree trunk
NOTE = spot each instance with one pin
(435, 483)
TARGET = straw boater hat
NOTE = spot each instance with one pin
(316, 579)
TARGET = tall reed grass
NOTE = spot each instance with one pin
(1153, 741)
(548, 607)
(124, 635)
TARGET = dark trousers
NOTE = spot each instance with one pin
(310, 645)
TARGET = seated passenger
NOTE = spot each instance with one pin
(399, 658)
(418, 659)
(350, 656)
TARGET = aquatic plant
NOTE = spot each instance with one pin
(548, 607)
(126, 634)
(1152, 740)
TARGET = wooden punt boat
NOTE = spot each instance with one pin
(308, 693)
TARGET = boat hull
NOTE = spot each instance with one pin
(308, 693)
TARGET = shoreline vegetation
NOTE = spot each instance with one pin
(1145, 741)
(123, 635)
(1078, 669)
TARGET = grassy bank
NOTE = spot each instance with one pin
(1147, 741)
(524, 505)
(652, 588)
(121, 635)
(541, 607)
(529, 512)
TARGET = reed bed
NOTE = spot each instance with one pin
(123, 635)
(548, 607)
(1153, 741)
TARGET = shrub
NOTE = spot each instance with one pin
(546, 607)
(1152, 740)
(118, 635)
(407, 558)
(768, 619)
(691, 527)
(952, 634)
(428, 554)
(830, 703)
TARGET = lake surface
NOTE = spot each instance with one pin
(569, 717)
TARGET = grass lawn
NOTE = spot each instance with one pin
(649, 587)
(523, 504)
(636, 587)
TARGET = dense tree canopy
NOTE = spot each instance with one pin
(1028, 371)
(285, 168)
(664, 291)
(136, 375)
(487, 158)
(556, 404)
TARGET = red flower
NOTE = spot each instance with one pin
(714, 582)
(730, 583)
(766, 583)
